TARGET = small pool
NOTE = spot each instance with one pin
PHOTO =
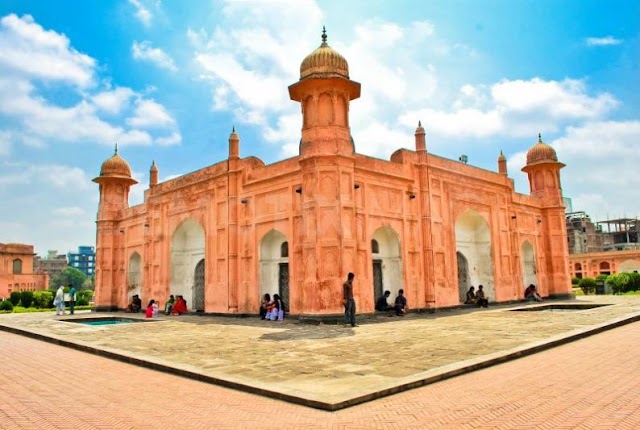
(561, 307)
(105, 321)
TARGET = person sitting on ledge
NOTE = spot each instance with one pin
(135, 304)
(531, 294)
(382, 305)
(471, 297)
(277, 312)
(401, 304)
(483, 302)
(149, 312)
(264, 306)
(179, 307)
(169, 305)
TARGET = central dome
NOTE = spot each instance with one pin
(324, 62)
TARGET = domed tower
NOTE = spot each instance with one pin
(543, 170)
(115, 181)
(324, 91)
(327, 159)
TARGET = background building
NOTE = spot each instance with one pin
(52, 264)
(602, 248)
(16, 270)
(83, 260)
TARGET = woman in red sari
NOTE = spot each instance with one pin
(179, 307)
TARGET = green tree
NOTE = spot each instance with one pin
(70, 275)
(89, 283)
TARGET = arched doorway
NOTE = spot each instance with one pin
(605, 268)
(187, 251)
(528, 266)
(386, 259)
(473, 241)
(463, 276)
(134, 276)
(198, 287)
(274, 265)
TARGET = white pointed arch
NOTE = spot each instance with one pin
(187, 250)
(473, 241)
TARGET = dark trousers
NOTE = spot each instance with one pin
(72, 305)
(350, 312)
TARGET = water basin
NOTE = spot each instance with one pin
(105, 321)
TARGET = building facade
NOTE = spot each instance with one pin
(227, 234)
(16, 270)
(84, 260)
(53, 264)
(602, 248)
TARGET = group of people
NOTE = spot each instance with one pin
(272, 309)
(399, 307)
(477, 297)
(59, 301)
(174, 306)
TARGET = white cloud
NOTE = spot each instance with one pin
(172, 139)
(150, 114)
(55, 175)
(29, 50)
(77, 123)
(143, 13)
(113, 101)
(515, 108)
(145, 52)
(602, 41)
(72, 211)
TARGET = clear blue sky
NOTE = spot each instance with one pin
(168, 79)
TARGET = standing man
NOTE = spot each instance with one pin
(348, 301)
(72, 298)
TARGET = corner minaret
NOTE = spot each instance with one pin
(329, 247)
(324, 91)
(543, 170)
(115, 181)
(502, 164)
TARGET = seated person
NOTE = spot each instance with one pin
(276, 313)
(482, 300)
(156, 308)
(531, 294)
(264, 305)
(471, 297)
(382, 305)
(401, 304)
(169, 305)
(179, 307)
(135, 304)
(149, 312)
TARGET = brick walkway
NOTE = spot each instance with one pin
(588, 384)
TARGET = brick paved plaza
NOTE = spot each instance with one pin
(584, 384)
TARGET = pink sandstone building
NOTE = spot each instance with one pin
(16, 270)
(225, 235)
